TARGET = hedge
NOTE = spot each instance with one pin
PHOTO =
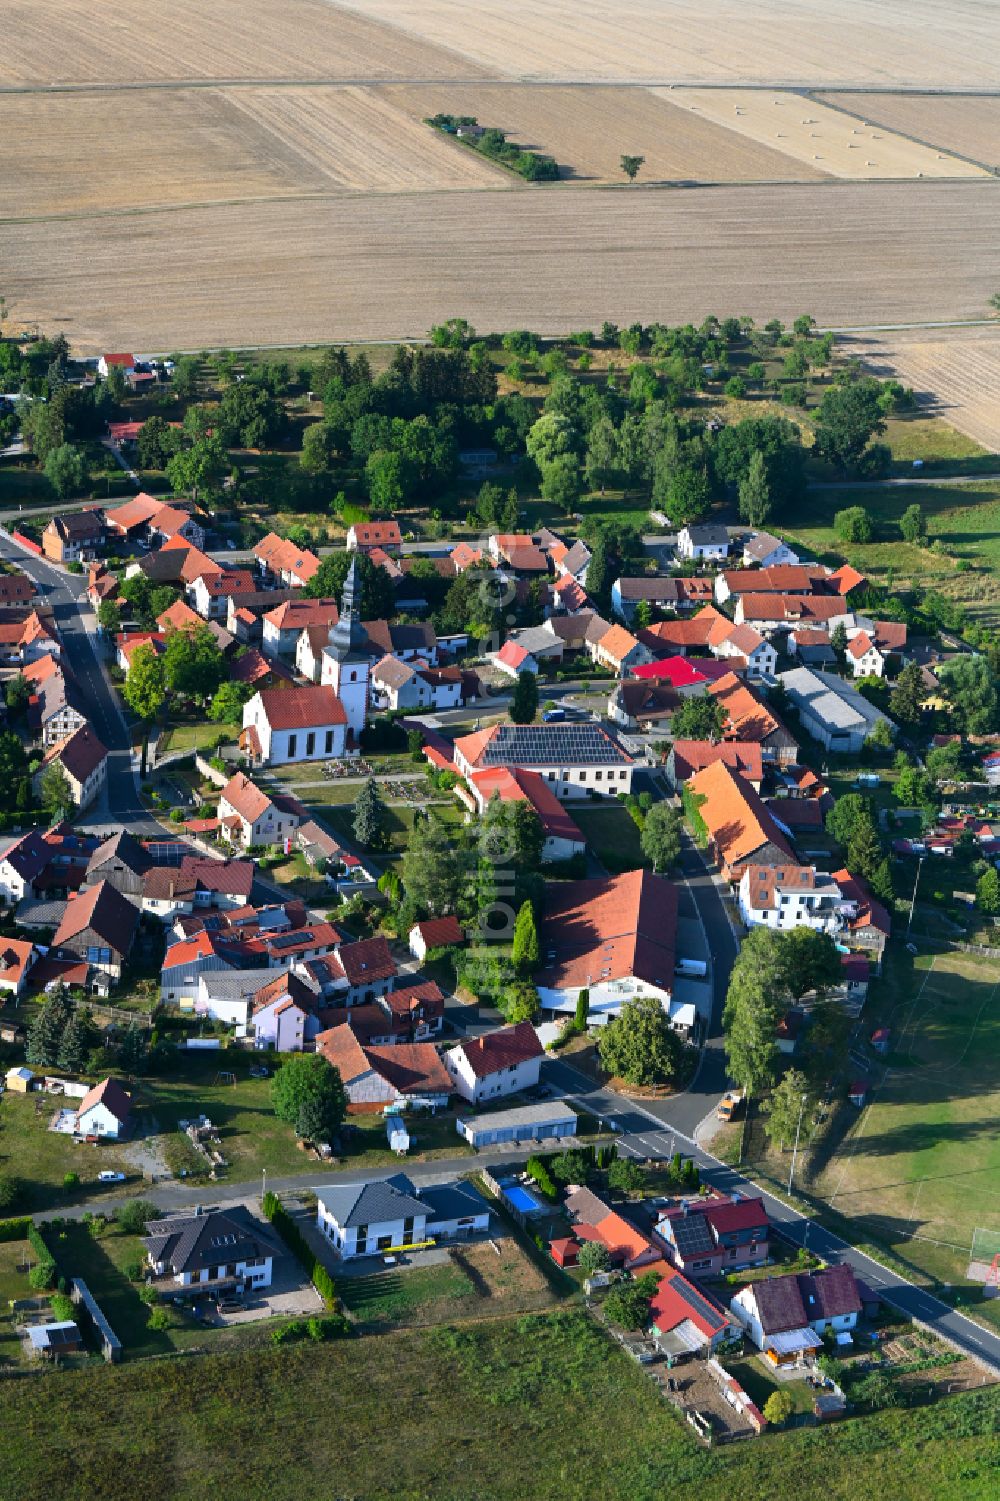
(296, 1242)
(16, 1229)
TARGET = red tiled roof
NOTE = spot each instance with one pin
(439, 931)
(302, 708)
(610, 928)
(677, 671)
(368, 959)
(691, 756)
(734, 815)
(517, 784)
(502, 1049)
(512, 655)
(377, 534)
(282, 556)
(105, 910)
(111, 1095)
(80, 753)
(678, 1301)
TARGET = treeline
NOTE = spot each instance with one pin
(533, 166)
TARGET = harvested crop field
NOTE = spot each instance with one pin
(824, 139)
(357, 139)
(776, 42)
(382, 267)
(203, 145)
(955, 373)
(965, 123)
(99, 41)
(587, 129)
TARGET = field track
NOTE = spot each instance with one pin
(345, 266)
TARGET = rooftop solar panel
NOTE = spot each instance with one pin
(692, 1235)
(289, 940)
(551, 744)
(694, 1299)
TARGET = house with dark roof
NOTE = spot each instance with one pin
(98, 926)
(497, 1064)
(217, 1249)
(121, 861)
(74, 537)
(390, 1214)
(709, 541)
(285, 725)
(104, 1110)
(709, 1237)
(785, 1316)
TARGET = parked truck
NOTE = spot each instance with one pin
(730, 1105)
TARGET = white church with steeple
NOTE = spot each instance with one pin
(346, 661)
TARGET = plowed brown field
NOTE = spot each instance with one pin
(588, 129)
(383, 267)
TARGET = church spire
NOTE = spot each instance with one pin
(348, 637)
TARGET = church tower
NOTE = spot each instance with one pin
(346, 663)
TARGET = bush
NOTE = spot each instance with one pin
(853, 525)
(134, 1270)
(71, 1180)
(133, 1216)
(62, 1307)
(159, 1319)
(537, 1170)
(16, 1229)
(149, 1296)
(779, 1407)
(42, 1275)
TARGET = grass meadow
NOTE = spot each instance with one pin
(540, 1406)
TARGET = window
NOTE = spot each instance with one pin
(328, 747)
(598, 776)
(292, 744)
(311, 743)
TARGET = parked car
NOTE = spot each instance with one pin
(109, 1176)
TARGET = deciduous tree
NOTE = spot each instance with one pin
(698, 719)
(304, 1079)
(661, 837)
(639, 1045)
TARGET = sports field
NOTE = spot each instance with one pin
(920, 1170)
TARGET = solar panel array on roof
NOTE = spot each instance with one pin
(167, 852)
(693, 1235)
(289, 940)
(555, 744)
(694, 1299)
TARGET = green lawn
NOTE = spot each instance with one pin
(919, 1168)
(13, 1286)
(758, 1383)
(192, 737)
(393, 1297)
(41, 1158)
(941, 447)
(543, 1407)
(963, 522)
(611, 832)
